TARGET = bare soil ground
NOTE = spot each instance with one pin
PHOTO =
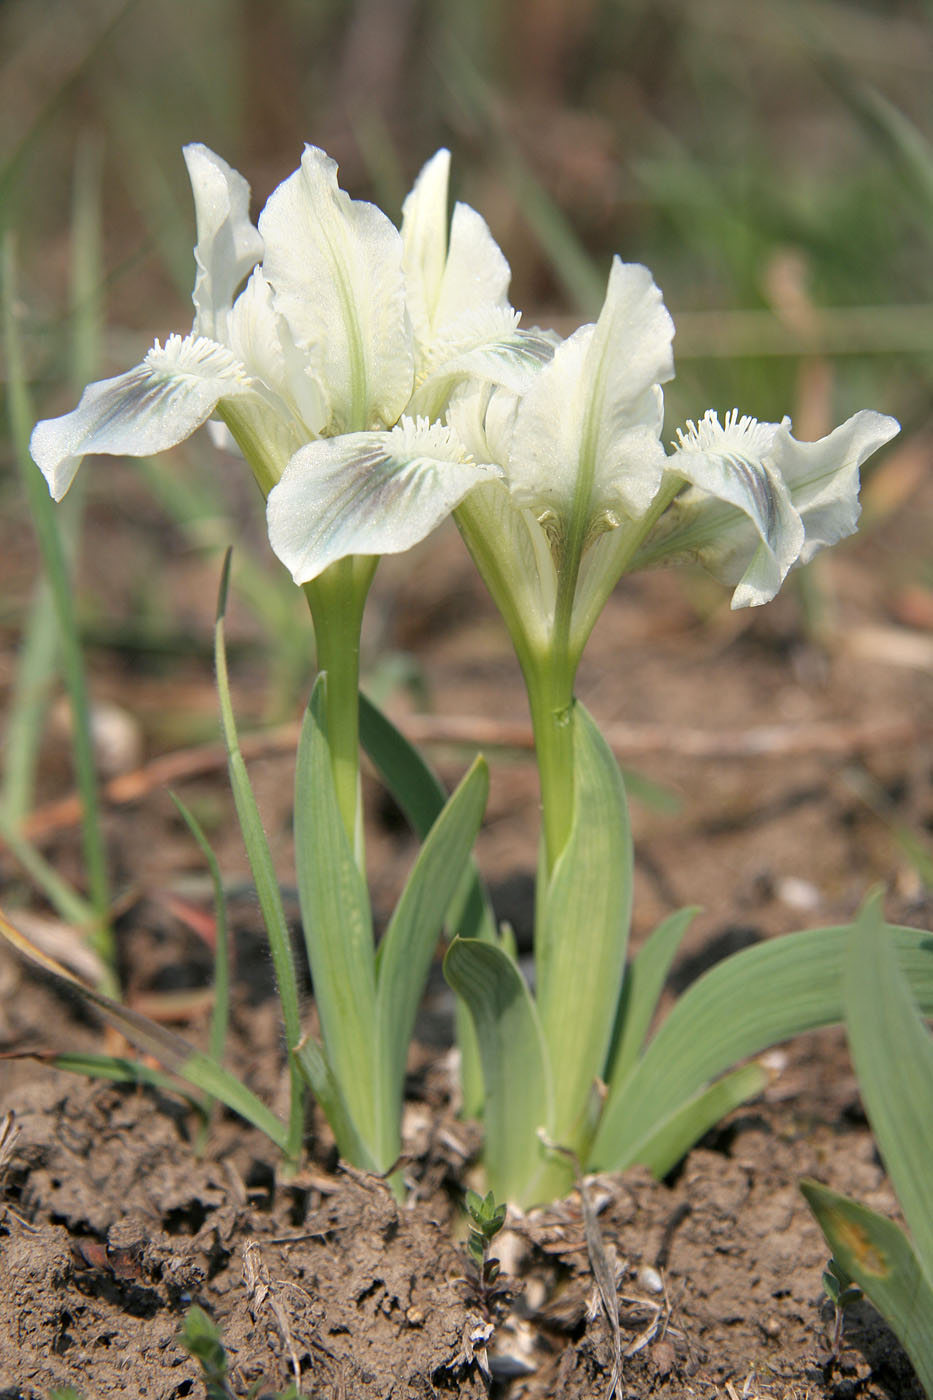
(113, 1221)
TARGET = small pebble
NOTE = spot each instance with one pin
(649, 1279)
(798, 894)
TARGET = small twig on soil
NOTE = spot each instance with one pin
(626, 740)
(261, 1290)
(599, 1263)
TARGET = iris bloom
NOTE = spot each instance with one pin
(587, 492)
(327, 326)
(759, 503)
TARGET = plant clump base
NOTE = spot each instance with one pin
(113, 1228)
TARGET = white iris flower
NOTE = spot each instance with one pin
(759, 502)
(581, 459)
(328, 343)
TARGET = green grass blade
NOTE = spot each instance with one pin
(337, 924)
(877, 1255)
(220, 1014)
(892, 1051)
(72, 907)
(169, 1048)
(515, 1070)
(641, 992)
(260, 861)
(87, 272)
(674, 1138)
(38, 651)
(118, 1070)
(743, 1005)
(582, 929)
(35, 668)
(42, 510)
(406, 951)
(197, 506)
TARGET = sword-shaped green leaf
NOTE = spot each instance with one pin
(748, 1002)
(892, 1051)
(337, 923)
(313, 1064)
(407, 948)
(582, 930)
(674, 1138)
(421, 796)
(641, 991)
(877, 1255)
(515, 1069)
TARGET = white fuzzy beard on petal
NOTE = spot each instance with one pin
(194, 357)
(744, 436)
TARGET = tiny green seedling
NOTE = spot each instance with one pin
(201, 1337)
(842, 1291)
(486, 1220)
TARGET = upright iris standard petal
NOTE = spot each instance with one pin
(368, 493)
(335, 266)
(457, 284)
(591, 420)
(228, 245)
(153, 407)
(424, 243)
(448, 274)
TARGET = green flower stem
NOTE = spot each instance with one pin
(266, 465)
(550, 672)
(550, 697)
(337, 598)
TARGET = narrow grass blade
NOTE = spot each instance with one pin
(877, 1255)
(582, 929)
(171, 1049)
(260, 861)
(115, 1068)
(87, 273)
(755, 999)
(892, 1051)
(515, 1070)
(407, 948)
(337, 924)
(54, 563)
(26, 711)
(641, 992)
(220, 1014)
(72, 907)
(196, 505)
(674, 1138)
